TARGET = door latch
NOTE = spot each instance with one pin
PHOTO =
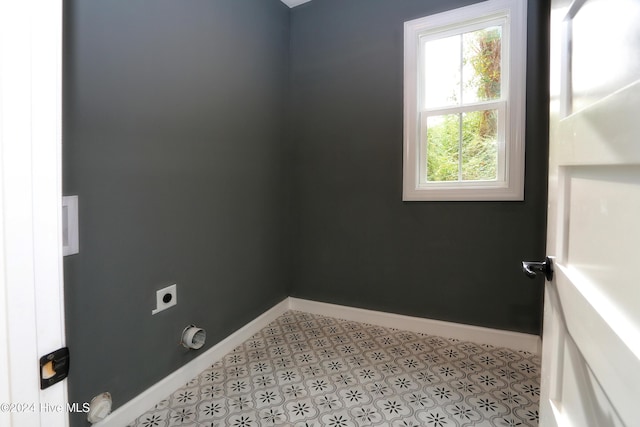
(54, 367)
(531, 269)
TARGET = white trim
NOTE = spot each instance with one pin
(477, 334)
(32, 299)
(514, 73)
(294, 3)
(144, 401)
(5, 368)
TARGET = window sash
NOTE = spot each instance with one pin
(465, 108)
(496, 20)
(439, 33)
(501, 149)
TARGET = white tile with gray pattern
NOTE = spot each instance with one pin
(307, 370)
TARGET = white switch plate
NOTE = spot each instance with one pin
(165, 298)
(70, 239)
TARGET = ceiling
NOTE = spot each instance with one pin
(294, 3)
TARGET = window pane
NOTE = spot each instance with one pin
(480, 145)
(481, 71)
(441, 79)
(463, 69)
(443, 147)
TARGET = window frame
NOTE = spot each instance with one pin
(510, 182)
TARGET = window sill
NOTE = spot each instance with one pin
(473, 191)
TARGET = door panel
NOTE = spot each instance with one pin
(591, 341)
(601, 201)
(595, 347)
(604, 36)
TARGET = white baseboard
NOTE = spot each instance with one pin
(477, 334)
(147, 399)
(160, 390)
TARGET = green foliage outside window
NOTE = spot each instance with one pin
(472, 135)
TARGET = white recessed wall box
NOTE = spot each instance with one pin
(70, 245)
(165, 298)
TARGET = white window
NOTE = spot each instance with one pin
(464, 103)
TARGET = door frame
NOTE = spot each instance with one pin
(31, 274)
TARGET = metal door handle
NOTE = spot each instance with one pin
(531, 269)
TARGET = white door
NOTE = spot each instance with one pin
(31, 297)
(591, 338)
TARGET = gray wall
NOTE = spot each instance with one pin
(355, 241)
(191, 170)
(173, 140)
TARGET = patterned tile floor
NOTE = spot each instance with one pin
(309, 370)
